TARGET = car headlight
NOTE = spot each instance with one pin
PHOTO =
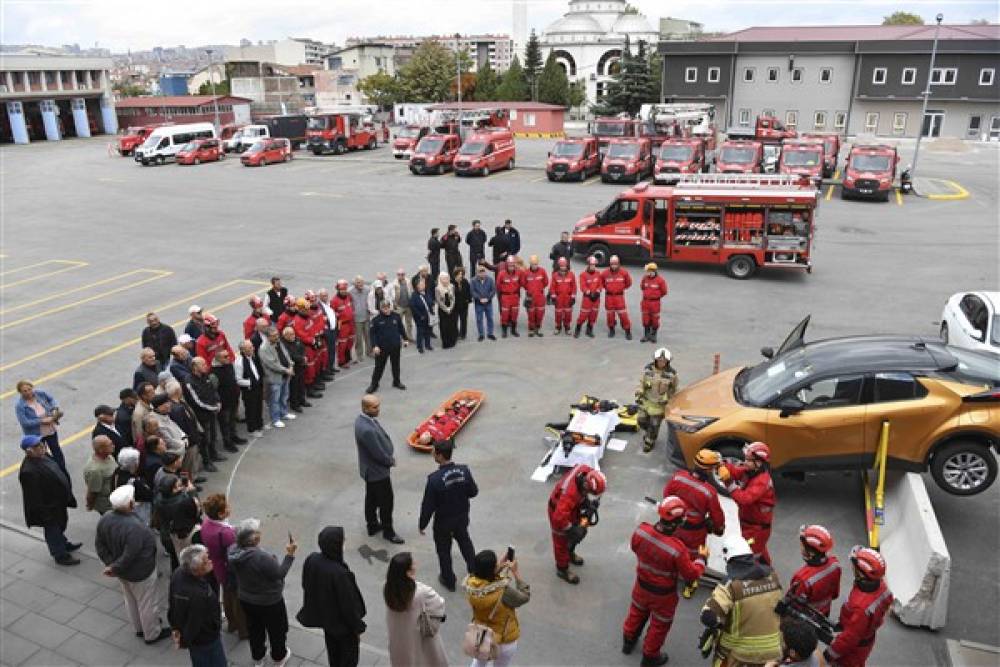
(693, 423)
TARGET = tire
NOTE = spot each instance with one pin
(340, 148)
(510, 165)
(964, 467)
(600, 252)
(885, 199)
(843, 194)
(222, 156)
(944, 333)
(160, 160)
(197, 160)
(371, 145)
(440, 170)
(486, 172)
(741, 267)
(551, 178)
(316, 151)
(287, 158)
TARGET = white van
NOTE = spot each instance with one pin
(164, 143)
(250, 135)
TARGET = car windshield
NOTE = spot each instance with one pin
(408, 132)
(975, 367)
(870, 162)
(610, 129)
(430, 145)
(317, 124)
(995, 331)
(763, 383)
(564, 149)
(151, 141)
(626, 151)
(801, 158)
(190, 146)
(473, 148)
(256, 147)
(732, 154)
(676, 153)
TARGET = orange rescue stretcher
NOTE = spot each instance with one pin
(448, 419)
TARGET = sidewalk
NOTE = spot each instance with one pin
(53, 616)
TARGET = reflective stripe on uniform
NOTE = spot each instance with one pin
(650, 568)
(870, 609)
(822, 573)
(694, 485)
(754, 644)
(658, 544)
(637, 605)
(661, 619)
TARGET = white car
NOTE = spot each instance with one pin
(971, 320)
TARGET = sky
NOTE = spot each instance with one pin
(142, 24)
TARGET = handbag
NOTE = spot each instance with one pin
(479, 641)
(516, 593)
(427, 623)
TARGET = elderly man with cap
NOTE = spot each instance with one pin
(46, 492)
(148, 370)
(97, 474)
(128, 550)
(159, 337)
(196, 324)
(171, 432)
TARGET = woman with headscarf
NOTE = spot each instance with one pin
(405, 599)
(444, 296)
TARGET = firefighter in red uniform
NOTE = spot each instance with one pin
(509, 289)
(591, 284)
(534, 281)
(817, 583)
(305, 331)
(318, 318)
(288, 314)
(616, 280)
(211, 341)
(753, 491)
(663, 559)
(572, 508)
(653, 288)
(863, 612)
(344, 307)
(256, 312)
(562, 293)
(704, 513)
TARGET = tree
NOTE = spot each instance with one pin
(631, 87)
(532, 64)
(129, 90)
(430, 74)
(513, 87)
(221, 88)
(902, 18)
(553, 86)
(486, 83)
(380, 89)
(577, 93)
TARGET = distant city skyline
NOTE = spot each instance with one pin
(121, 26)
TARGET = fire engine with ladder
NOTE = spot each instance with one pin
(744, 222)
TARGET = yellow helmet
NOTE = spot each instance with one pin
(652, 267)
(301, 303)
(707, 458)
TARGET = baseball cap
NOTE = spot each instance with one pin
(194, 309)
(29, 441)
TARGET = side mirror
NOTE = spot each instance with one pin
(977, 334)
(790, 406)
(767, 352)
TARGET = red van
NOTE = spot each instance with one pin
(680, 156)
(267, 151)
(831, 150)
(485, 151)
(200, 150)
(407, 139)
(740, 157)
(573, 158)
(803, 158)
(627, 160)
(435, 154)
(870, 172)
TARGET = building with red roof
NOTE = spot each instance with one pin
(146, 110)
(527, 119)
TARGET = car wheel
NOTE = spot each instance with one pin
(197, 160)
(159, 160)
(440, 170)
(341, 148)
(288, 157)
(371, 145)
(843, 194)
(510, 165)
(551, 177)
(486, 171)
(600, 252)
(741, 267)
(944, 333)
(964, 468)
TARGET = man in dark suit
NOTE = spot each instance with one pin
(434, 249)
(276, 298)
(375, 458)
(476, 239)
(47, 493)
(387, 335)
(250, 378)
(123, 414)
(105, 425)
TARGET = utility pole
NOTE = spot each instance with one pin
(458, 69)
(211, 80)
(927, 93)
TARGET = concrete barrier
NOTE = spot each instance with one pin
(918, 563)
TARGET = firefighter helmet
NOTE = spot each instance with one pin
(595, 482)
(256, 302)
(342, 284)
(671, 509)
(816, 537)
(757, 450)
(563, 264)
(735, 545)
(301, 303)
(706, 459)
(652, 267)
(868, 562)
(662, 353)
(211, 320)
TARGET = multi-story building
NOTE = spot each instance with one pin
(272, 88)
(55, 96)
(338, 84)
(290, 51)
(858, 80)
(497, 49)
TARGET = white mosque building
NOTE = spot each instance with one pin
(588, 40)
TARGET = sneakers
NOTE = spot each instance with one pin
(68, 560)
(279, 424)
(284, 661)
(289, 416)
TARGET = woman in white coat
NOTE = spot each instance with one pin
(405, 598)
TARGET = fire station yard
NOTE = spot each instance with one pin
(213, 233)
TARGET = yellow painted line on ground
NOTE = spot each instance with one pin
(135, 318)
(36, 265)
(591, 181)
(899, 198)
(117, 348)
(58, 309)
(22, 281)
(62, 443)
(81, 288)
(960, 192)
(829, 191)
(539, 180)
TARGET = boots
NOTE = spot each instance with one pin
(576, 334)
(513, 330)
(647, 446)
(538, 332)
(689, 589)
(558, 330)
(531, 332)
(645, 335)
(652, 334)
(628, 645)
(503, 333)
(628, 334)
(654, 660)
(611, 332)
(590, 330)
(567, 576)
(574, 559)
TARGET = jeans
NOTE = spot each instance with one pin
(270, 622)
(208, 655)
(55, 538)
(277, 399)
(484, 310)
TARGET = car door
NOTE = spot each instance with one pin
(972, 314)
(900, 399)
(819, 425)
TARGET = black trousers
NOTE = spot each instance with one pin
(463, 321)
(378, 505)
(266, 623)
(227, 423)
(330, 336)
(435, 272)
(253, 406)
(342, 650)
(444, 532)
(209, 439)
(380, 362)
(297, 388)
(474, 257)
(453, 262)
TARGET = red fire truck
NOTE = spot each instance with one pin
(803, 157)
(134, 136)
(870, 172)
(831, 149)
(680, 156)
(339, 132)
(627, 160)
(742, 222)
(740, 157)
(406, 140)
(573, 157)
(766, 128)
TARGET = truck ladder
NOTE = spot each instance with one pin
(742, 180)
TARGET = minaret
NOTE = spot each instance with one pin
(519, 27)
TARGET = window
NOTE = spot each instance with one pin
(819, 120)
(513, 114)
(826, 75)
(840, 120)
(871, 122)
(897, 387)
(772, 74)
(975, 124)
(836, 392)
(690, 74)
(621, 210)
(749, 74)
(791, 119)
(529, 120)
(797, 75)
(878, 76)
(899, 122)
(767, 112)
(944, 76)
(713, 74)
(986, 76)
(909, 76)
(744, 119)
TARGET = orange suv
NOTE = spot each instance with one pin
(820, 406)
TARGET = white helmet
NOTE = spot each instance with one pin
(662, 353)
(735, 545)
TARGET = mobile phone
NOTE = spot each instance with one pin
(510, 553)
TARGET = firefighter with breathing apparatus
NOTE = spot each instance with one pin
(656, 387)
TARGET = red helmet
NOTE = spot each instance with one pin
(671, 509)
(816, 537)
(595, 482)
(757, 450)
(211, 320)
(309, 295)
(563, 263)
(256, 302)
(342, 284)
(869, 562)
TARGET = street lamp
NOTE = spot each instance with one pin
(211, 80)
(927, 93)
(458, 69)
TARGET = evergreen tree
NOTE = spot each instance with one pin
(513, 87)
(631, 87)
(532, 64)
(553, 86)
(486, 83)
(577, 93)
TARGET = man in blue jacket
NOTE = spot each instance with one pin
(483, 290)
(446, 498)
(387, 335)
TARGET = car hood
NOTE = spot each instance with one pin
(711, 397)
